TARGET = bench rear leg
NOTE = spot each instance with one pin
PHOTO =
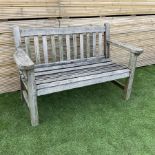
(32, 99)
(132, 66)
(128, 88)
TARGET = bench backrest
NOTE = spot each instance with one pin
(46, 45)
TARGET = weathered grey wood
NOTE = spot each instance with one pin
(27, 46)
(117, 72)
(72, 64)
(36, 48)
(132, 66)
(25, 85)
(21, 89)
(61, 48)
(76, 73)
(94, 44)
(40, 79)
(78, 84)
(88, 45)
(32, 98)
(81, 47)
(100, 44)
(53, 48)
(61, 31)
(45, 49)
(132, 63)
(23, 75)
(69, 69)
(127, 47)
(106, 40)
(17, 37)
(22, 60)
(68, 47)
(75, 45)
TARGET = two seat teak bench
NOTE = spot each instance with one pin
(56, 59)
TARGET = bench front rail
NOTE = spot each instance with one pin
(56, 59)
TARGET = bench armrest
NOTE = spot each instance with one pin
(128, 47)
(22, 60)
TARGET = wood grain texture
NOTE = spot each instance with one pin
(61, 31)
(45, 49)
(32, 99)
(132, 66)
(82, 83)
(36, 46)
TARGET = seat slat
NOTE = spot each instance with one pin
(36, 48)
(53, 71)
(78, 84)
(45, 49)
(80, 79)
(76, 73)
(70, 64)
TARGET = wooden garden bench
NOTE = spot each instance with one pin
(56, 59)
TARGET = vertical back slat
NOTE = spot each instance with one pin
(27, 46)
(94, 44)
(100, 44)
(68, 47)
(17, 36)
(45, 49)
(75, 45)
(61, 47)
(88, 45)
(81, 46)
(36, 48)
(106, 39)
(53, 48)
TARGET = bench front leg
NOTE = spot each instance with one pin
(132, 67)
(32, 98)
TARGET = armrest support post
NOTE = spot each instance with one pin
(132, 67)
(134, 53)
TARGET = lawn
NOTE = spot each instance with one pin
(93, 120)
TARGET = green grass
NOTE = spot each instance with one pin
(92, 120)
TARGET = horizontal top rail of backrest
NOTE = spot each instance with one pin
(61, 31)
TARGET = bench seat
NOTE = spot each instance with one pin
(57, 77)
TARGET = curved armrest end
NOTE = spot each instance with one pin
(22, 60)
